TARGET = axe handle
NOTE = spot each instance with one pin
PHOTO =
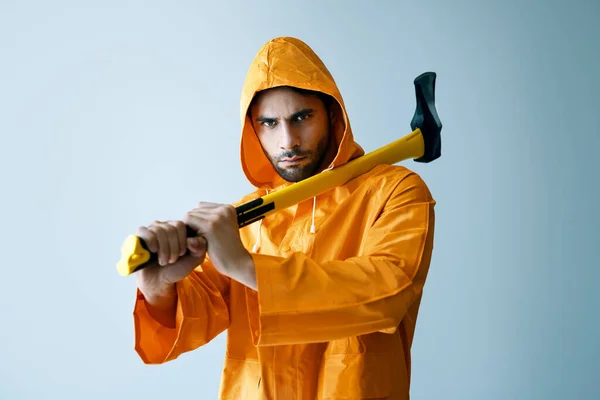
(421, 146)
(135, 254)
(410, 146)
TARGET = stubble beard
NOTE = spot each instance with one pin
(301, 172)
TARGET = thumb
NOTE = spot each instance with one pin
(197, 245)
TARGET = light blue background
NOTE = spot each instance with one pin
(116, 113)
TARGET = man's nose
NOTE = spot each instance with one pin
(289, 137)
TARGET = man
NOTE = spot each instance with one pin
(320, 300)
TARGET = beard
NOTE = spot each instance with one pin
(310, 165)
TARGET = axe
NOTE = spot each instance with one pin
(423, 145)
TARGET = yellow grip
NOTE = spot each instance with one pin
(133, 254)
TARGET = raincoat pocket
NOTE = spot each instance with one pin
(355, 376)
(240, 379)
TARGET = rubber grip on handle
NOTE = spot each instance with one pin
(135, 254)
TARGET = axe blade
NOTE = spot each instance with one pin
(426, 117)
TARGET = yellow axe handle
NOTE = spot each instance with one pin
(423, 144)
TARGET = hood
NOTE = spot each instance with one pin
(287, 61)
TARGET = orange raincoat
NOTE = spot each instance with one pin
(340, 277)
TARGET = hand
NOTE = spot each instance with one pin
(169, 241)
(217, 223)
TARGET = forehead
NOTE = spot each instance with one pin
(283, 101)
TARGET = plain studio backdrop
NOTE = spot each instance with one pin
(117, 113)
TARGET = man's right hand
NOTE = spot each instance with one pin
(170, 242)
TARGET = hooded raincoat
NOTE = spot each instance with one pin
(340, 276)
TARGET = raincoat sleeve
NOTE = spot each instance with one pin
(301, 300)
(202, 314)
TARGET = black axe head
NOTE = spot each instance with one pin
(426, 117)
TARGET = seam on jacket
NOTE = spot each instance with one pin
(341, 307)
(241, 359)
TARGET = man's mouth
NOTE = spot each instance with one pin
(292, 160)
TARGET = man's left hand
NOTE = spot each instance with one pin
(217, 223)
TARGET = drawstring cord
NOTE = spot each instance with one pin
(313, 228)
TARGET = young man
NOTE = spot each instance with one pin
(319, 300)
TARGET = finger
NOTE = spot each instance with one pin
(163, 244)
(202, 244)
(192, 244)
(223, 209)
(217, 215)
(197, 245)
(173, 242)
(148, 237)
(199, 221)
(181, 235)
(205, 205)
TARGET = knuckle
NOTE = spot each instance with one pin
(179, 224)
(230, 209)
(222, 212)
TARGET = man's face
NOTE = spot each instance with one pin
(293, 130)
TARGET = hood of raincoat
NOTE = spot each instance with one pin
(287, 61)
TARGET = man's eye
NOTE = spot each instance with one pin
(302, 117)
(268, 123)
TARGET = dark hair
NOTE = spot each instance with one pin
(325, 98)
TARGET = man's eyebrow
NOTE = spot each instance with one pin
(260, 118)
(295, 115)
